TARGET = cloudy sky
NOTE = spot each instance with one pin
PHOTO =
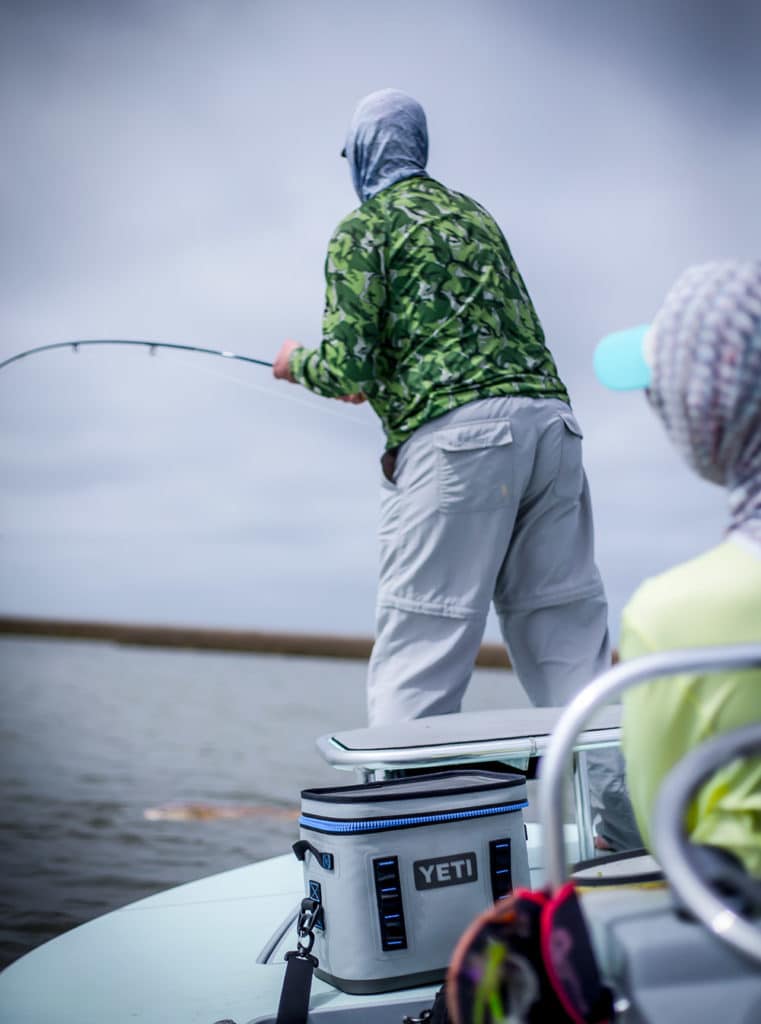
(171, 171)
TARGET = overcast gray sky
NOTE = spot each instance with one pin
(171, 171)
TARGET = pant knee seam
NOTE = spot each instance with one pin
(433, 608)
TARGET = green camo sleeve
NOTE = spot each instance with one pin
(353, 322)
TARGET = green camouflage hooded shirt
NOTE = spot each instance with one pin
(425, 311)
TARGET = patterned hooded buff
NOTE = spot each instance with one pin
(387, 141)
(706, 380)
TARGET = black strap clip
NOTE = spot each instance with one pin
(300, 964)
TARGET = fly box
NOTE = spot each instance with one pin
(400, 868)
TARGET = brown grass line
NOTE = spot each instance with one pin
(306, 645)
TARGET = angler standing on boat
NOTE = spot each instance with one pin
(484, 496)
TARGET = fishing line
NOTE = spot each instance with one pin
(284, 396)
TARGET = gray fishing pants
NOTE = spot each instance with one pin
(489, 503)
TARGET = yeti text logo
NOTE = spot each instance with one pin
(454, 870)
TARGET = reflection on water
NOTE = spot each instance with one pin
(128, 770)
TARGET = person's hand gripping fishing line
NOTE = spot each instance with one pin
(281, 369)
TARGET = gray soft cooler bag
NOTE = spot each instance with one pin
(400, 868)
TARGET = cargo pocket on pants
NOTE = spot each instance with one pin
(569, 481)
(474, 466)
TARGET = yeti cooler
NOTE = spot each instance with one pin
(400, 868)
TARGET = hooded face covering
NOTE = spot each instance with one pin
(387, 141)
(706, 380)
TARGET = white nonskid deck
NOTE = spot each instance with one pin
(184, 955)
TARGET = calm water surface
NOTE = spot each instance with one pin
(92, 736)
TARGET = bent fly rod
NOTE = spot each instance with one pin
(151, 345)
